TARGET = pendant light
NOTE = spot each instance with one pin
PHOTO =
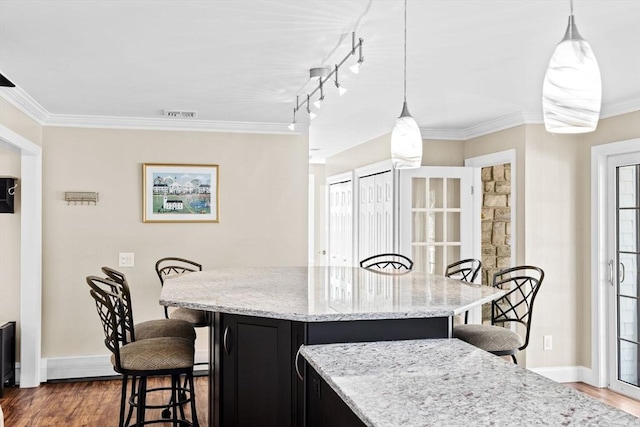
(406, 141)
(572, 90)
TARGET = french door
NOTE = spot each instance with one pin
(436, 216)
(623, 177)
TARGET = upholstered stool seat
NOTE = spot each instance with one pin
(152, 328)
(156, 354)
(190, 315)
(487, 337)
(165, 328)
(521, 285)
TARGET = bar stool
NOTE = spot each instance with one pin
(173, 266)
(168, 356)
(466, 270)
(151, 328)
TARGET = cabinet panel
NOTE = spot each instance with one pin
(256, 371)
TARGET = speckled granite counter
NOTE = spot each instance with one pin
(317, 294)
(449, 383)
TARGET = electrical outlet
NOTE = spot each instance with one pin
(125, 259)
(547, 342)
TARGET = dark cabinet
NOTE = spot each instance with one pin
(257, 379)
(256, 375)
(7, 193)
(7, 355)
(324, 406)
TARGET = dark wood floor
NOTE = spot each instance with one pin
(96, 403)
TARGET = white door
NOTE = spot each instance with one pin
(375, 214)
(341, 224)
(436, 216)
(623, 236)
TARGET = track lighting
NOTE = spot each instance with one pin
(341, 89)
(323, 75)
(318, 103)
(355, 68)
(292, 126)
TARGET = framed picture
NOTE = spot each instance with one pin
(179, 193)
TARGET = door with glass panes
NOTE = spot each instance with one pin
(436, 216)
(624, 259)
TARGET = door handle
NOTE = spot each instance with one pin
(225, 340)
(621, 272)
(296, 364)
(611, 272)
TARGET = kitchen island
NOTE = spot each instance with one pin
(441, 382)
(263, 315)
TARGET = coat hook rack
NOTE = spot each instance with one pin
(80, 197)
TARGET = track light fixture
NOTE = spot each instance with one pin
(323, 75)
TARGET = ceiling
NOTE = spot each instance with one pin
(240, 63)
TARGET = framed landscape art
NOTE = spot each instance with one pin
(179, 193)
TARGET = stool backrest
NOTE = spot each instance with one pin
(466, 270)
(388, 261)
(112, 322)
(522, 284)
(123, 304)
(171, 266)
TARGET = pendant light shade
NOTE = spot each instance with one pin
(572, 89)
(406, 140)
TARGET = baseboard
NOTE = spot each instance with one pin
(566, 374)
(61, 368)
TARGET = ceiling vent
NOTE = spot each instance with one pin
(181, 114)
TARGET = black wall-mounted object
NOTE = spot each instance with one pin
(7, 194)
(5, 82)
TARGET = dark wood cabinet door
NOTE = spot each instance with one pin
(324, 406)
(257, 365)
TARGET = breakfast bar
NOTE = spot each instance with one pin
(262, 316)
(440, 382)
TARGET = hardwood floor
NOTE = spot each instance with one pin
(609, 397)
(83, 403)
(96, 403)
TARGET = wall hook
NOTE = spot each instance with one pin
(12, 190)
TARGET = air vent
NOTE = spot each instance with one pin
(180, 114)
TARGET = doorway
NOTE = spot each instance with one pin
(623, 302)
(612, 308)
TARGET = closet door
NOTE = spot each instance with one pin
(341, 223)
(436, 216)
(375, 220)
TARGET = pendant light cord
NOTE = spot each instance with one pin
(405, 51)
(571, 3)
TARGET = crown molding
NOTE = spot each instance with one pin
(621, 107)
(114, 122)
(484, 128)
(25, 103)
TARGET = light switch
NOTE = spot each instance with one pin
(125, 259)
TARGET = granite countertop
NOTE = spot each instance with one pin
(446, 382)
(315, 294)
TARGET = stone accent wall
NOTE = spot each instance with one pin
(496, 220)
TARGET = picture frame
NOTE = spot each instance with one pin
(180, 192)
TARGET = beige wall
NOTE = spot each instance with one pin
(263, 217)
(554, 243)
(20, 123)
(434, 153)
